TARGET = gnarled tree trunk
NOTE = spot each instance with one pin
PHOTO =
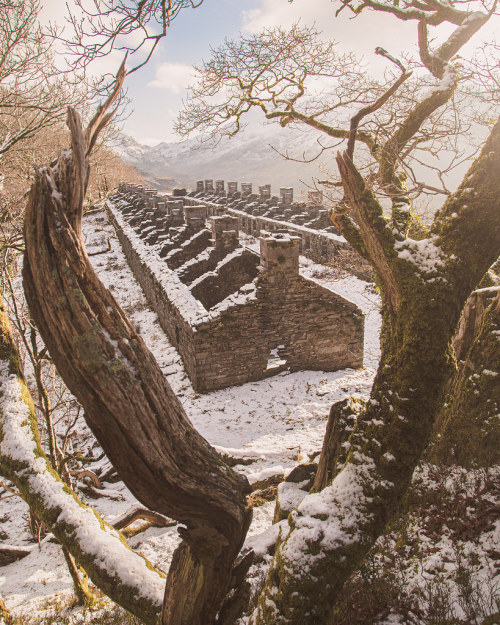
(128, 403)
(425, 286)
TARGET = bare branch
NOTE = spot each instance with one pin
(101, 26)
(368, 110)
(368, 215)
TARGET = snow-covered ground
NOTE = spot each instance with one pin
(277, 422)
(443, 558)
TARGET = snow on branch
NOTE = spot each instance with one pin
(123, 575)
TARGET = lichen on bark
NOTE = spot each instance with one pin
(331, 531)
(122, 574)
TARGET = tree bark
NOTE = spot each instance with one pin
(128, 403)
(467, 431)
(341, 421)
(426, 285)
(119, 572)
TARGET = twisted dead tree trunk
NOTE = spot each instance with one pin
(425, 286)
(121, 573)
(128, 404)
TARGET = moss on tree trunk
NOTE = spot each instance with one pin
(122, 574)
(468, 430)
(425, 287)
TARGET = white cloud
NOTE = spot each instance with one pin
(52, 11)
(174, 77)
(361, 35)
(282, 13)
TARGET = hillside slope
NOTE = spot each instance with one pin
(247, 157)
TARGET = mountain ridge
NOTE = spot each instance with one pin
(247, 157)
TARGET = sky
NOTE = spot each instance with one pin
(158, 89)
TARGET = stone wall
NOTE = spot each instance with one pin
(293, 324)
(189, 249)
(172, 320)
(250, 315)
(230, 275)
(315, 244)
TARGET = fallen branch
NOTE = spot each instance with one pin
(9, 489)
(130, 532)
(107, 249)
(91, 211)
(86, 473)
(9, 554)
(110, 475)
(138, 512)
(94, 493)
(232, 461)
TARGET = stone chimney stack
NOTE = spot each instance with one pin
(175, 213)
(265, 191)
(286, 194)
(174, 205)
(195, 215)
(315, 197)
(279, 252)
(225, 232)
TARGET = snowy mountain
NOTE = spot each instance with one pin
(148, 160)
(247, 157)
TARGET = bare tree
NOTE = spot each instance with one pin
(33, 94)
(297, 79)
(101, 26)
(142, 426)
(424, 284)
(107, 170)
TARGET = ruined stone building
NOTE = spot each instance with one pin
(233, 314)
(310, 214)
(319, 239)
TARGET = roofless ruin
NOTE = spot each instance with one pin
(234, 314)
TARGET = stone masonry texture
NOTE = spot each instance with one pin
(234, 315)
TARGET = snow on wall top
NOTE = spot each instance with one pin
(177, 292)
